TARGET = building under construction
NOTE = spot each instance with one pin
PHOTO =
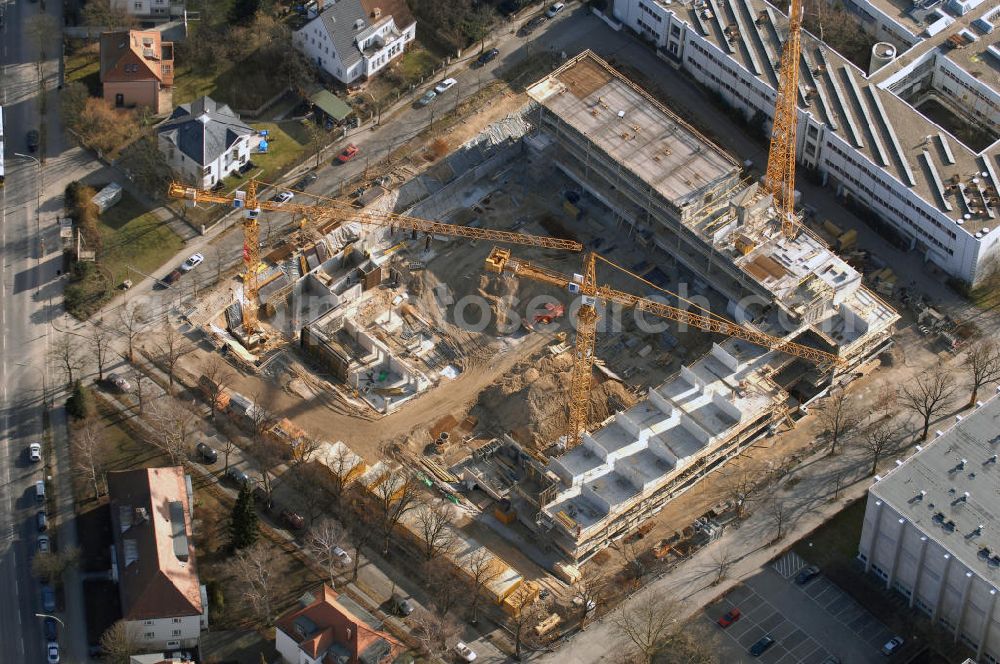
(685, 199)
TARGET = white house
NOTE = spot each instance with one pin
(162, 599)
(354, 39)
(204, 141)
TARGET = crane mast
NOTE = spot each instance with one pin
(500, 261)
(780, 177)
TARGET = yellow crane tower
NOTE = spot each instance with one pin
(331, 209)
(501, 261)
(780, 177)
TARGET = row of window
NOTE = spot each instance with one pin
(647, 28)
(649, 10)
(973, 91)
(767, 96)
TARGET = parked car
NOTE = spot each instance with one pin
(464, 652)
(43, 544)
(119, 382)
(40, 491)
(282, 197)
(428, 97)
(237, 476)
(292, 520)
(32, 140)
(192, 262)
(51, 629)
(171, 278)
(731, 616)
(261, 499)
(806, 575)
(530, 26)
(48, 598)
(400, 605)
(342, 556)
(555, 9)
(305, 181)
(892, 645)
(762, 645)
(35, 452)
(53, 652)
(42, 521)
(349, 153)
(445, 85)
(487, 56)
(206, 453)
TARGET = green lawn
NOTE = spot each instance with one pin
(83, 64)
(190, 84)
(243, 85)
(131, 236)
(415, 63)
(835, 543)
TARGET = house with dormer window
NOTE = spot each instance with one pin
(205, 141)
(137, 69)
(331, 629)
(162, 599)
(353, 40)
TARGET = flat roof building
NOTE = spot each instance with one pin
(932, 530)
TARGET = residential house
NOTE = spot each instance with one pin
(331, 629)
(150, 11)
(354, 39)
(205, 141)
(137, 69)
(154, 565)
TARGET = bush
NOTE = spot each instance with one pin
(81, 404)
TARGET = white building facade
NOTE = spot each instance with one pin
(848, 129)
(205, 141)
(350, 42)
(932, 534)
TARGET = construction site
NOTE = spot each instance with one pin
(566, 322)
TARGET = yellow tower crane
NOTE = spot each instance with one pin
(331, 209)
(780, 177)
(501, 261)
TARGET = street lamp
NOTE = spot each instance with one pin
(38, 197)
(41, 373)
(46, 615)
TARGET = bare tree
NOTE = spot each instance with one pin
(120, 642)
(885, 400)
(65, 352)
(174, 425)
(780, 513)
(394, 496)
(51, 565)
(838, 416)
(171, 346)
(217, 376)
(927, 394)
(629, 548)
(343, 465)
(983, 365)
(433, 521)
(138, 377)
(252, 568)
(445, 589)
(309, 481)
(482, 568)
(436, 633)
(100, 344)
(304, 449)
(324, 538)
(589, 591)
(361, 535)
(652, 628)
(741, 483)
(876, 441)
(90, 453)
(722, 561)
(526, 613)
(131, 318)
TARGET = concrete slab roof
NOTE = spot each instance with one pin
(633, 129)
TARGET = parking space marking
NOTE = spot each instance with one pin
(841, 606)
(789, 564)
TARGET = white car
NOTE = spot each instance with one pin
(283, 197)
(465, 652)
(35, 452)
(192, 263)
(555, 9)
(53, 652)
(342, 556)
(445, 85)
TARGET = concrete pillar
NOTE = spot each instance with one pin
(984, 633)
(891, 575)
(942, 585)
(920, 570)
(962, 607)
(877, 520)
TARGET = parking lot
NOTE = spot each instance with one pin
(809, 622)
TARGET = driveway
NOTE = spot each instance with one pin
(810, 622)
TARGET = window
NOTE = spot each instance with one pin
(176, 632)
(812, 131)
(177, 621)
(137, 5)
(149, 636)
(148, 622)
(675, 30)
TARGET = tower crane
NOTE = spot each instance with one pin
(500, 261)
(342, 211)
(780, 177)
